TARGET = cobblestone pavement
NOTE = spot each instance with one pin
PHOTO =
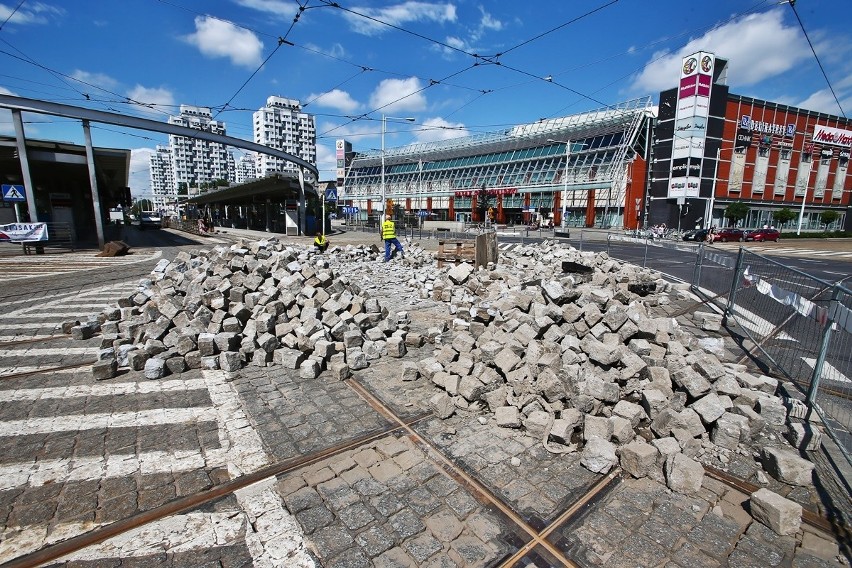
(359, 484)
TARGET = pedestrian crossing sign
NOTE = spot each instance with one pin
(331, 194)
(13, 193)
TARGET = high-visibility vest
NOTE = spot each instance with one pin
(388, 230)
(320, 240)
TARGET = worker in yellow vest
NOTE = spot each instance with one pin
(321, 242)
(389, 236)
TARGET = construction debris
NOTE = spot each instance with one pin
(560, 344)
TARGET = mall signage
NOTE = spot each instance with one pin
(472, 192)
(690, 130)
(746, 123)
(835, 136)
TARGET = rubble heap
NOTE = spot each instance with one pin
(557, 343)
(257, 303)
(562, 345)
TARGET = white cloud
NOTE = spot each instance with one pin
(335, 50)
(326, 161)
(30, 13)
(279, 9)
(398, 95)
(487, 23)
(759, 46)
(96, 79)
(398, 15)
(216, 38)
(823, 101)
(158, 100)
(336, 99)
(140, 170)
(435, 129)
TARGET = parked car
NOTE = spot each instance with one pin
(697, 235)
(729, 234)
(761, 235)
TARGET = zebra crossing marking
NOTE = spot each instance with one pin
(21, 267)
(268, 531)
(76, 422)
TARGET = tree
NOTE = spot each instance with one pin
(783, 216)
(828, 217)
(736, 212)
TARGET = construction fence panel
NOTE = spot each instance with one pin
(802, 325)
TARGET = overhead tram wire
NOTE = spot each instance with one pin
(86, 97)
(281, 41)
(12, 13)
(816, 57)
(367, 114)
(559, 27)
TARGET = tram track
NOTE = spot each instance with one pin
(74, 544)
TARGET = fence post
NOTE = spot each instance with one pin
(732, 295)
(699, 262)
(608, 238)
(816, 376)
(581, 241)
(645, 257)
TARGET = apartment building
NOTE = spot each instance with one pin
(282, 125)
(162, 177)
(246, 168)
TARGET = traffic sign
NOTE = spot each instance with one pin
(14, 193)
(331, 194)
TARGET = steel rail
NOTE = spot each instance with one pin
(596, 489)
(179, 505)
(457, 473)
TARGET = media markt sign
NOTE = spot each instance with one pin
(14, 193)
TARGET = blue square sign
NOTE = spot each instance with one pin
(14, 193)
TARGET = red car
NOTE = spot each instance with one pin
(761, 235)
(729, 234)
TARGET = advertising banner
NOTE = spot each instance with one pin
(690, 130)
(23, 232)
(834, 136)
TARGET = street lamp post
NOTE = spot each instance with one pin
(384, 129)
(563, 222)
(709, 221)
(802, 210)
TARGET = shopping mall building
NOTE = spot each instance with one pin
(592, 168)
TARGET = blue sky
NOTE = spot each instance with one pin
(458, 67)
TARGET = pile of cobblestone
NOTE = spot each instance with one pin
(553, 341)
(562, 344)
(253, 303)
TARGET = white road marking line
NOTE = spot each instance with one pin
(77, 422)
(11, 326)
(85, 468)
(107, 389)
(21, 337)
(49, 315)
(24, 351)
(16, 370)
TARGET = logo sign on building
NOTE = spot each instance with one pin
(834, 136)
(14, 193)
(746, 123)
(690, 130)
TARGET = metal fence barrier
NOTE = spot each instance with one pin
(803, 325)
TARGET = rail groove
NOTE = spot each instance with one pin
(74, 544)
